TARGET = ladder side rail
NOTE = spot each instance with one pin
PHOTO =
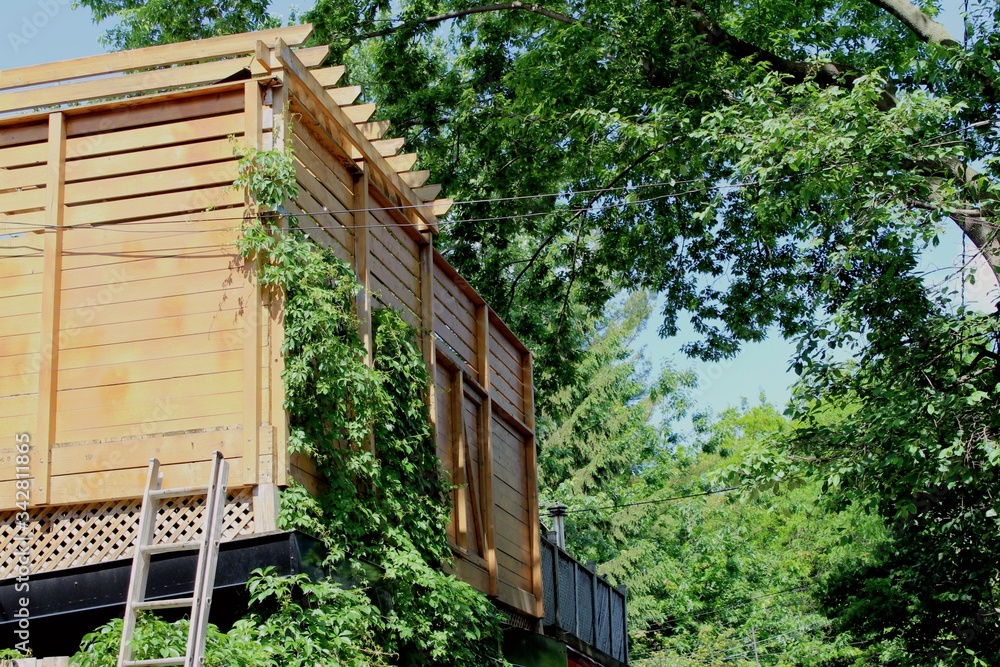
(140, 562)
(207, 561)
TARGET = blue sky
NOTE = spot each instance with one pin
(40, 31)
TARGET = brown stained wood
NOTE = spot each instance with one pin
(51, 289)
(327, 170)
(295, 67)
(143, 138)
(250, 304)
(472, 574)
(456, 313)
(374, 129)
(532, 469)
(387, 298)
(344, 95)
(281, 134)
(426, 293)
(403, 250)
(394, 275)
(152, 160)
(129, 483)
(140, 185)
(153, 56)
(134, 453)
(319, 227)
(326, 200)
(156, 110)
(359, 113)
(329, 76)
(460, 473)
(390, 290)
(517, 599)
(482, 338)
(186, 230)
(327, 136)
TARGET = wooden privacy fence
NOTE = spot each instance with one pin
(130, 327)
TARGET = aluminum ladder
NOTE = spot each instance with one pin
(208, 557)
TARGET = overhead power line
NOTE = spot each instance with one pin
(655, 501)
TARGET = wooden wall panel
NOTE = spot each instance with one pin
(455, 323)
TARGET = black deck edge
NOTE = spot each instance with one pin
(65, 604)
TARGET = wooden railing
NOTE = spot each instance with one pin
(116, 344)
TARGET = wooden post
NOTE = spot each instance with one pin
(279, 416)
(531, 463)
(251, 303)
(459, 448)
(486, 456)
(362, 253)
(41, 459)
(427, 324)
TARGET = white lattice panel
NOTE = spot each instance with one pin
(73, 535)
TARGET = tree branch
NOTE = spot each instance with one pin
(919, 23)
(516, 5)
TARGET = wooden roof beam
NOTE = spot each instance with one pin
(374, 129)
(328, 77)
(153, 56)
(415, 178)
(316, 95)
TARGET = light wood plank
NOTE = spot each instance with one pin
(250, 303)
(295, 67)
(344, 95)
(156, 110)
(428, 192)
(134, 453)
(152, 160)
(140, 185)
(531, 452)
(157, 79)
(194, 201)
(125, 141)
(41, 461)
(359, 113)
(374, 129)
(415, 178)
(129, 483)
(328, 77)
(153, 56)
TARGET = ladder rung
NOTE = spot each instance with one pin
(174, 603)
(169, 547)
(184, 492)
(179, 660)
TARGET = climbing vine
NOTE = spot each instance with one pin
(384, 507)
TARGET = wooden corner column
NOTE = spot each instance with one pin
(48, 362)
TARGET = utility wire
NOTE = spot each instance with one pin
(648, 502)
